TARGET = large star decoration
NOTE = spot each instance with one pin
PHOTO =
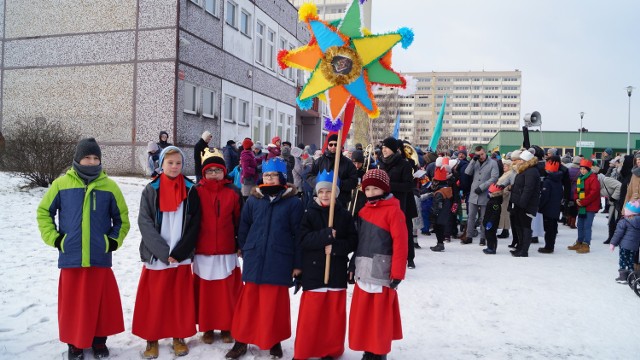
(344, 60)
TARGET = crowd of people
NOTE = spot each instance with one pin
(226, 248)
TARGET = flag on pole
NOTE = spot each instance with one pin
(437, 131)
(396, 128)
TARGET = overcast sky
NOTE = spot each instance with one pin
(575, 55)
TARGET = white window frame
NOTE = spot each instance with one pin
(289, 129)
(234, 5)
(283, 45)
(193, 89)
(258, 113)
(290, 72)
(214, 10)
(208, 94)
(197, 2)
(247, 25)
(280, 125)
(270, 59)
(232, 108)
(268, 124)
(244, 112)
(260, 43)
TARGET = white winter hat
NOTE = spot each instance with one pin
(526, 156)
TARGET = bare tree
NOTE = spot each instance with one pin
(389, 105)
(39, 150)
(447, 142)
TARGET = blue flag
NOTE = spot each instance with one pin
(437, 131)
(396, 128)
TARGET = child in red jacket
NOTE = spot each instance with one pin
(588, 202)
(380, 265)
(216, 270)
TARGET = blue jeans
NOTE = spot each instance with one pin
(584, 227)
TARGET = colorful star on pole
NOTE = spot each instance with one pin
(344, 60)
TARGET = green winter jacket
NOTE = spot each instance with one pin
(89, 216)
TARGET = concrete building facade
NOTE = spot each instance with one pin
(123, 70)
(330, 10)
(479, 104)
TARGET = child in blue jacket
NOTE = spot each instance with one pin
(627, 236)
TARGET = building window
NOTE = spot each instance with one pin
(208, 103)
(243, 112)
(280, 125)
(190, 98)
(231, 13)
(229, 111)
(197, 2)
(271, 48)
(290, 71)
(245, 22)
(259, 42)
(211, 6)
(289, 128)
(283, 45)
(268, 122)
(257, 122)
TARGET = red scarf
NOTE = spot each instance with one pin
(172, 192)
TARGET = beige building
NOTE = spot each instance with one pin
(330, 10)
(479, 104)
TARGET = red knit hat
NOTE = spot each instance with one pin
(552, 166)
(440, 174)
(377, 178)
(247, 144)
(586, 163)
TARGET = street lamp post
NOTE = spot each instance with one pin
(580, 141)
(629, 90)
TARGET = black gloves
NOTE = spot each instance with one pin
(113, 245)
(58, 241)
(394, 283)
(478, 191)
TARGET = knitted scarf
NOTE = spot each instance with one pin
(582, 210)
(172, 192)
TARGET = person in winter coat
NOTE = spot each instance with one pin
(505, 181)
(231, 156)
(441, 207)
(272, 256)
(525, 197)
(249, 173)
(402, 185)
(285, 154)
(633, 189)
(198, 150)
(588, 201)
(259, 155)
(572, 208)
(216, 270)
(322, 319)
(163, 143)
(169, 222)
(484, 172)
(610, 189)
(550, 199)
(491, 218)
(374, 318)
(93, 220)
(627, 236)
(346, 171)
(273, 149)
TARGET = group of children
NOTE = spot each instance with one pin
(192, 238)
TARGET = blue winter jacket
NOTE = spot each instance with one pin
(88, 217)
(551, 195)
(268, 237)
(627, 234)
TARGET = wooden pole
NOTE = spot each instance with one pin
(332, 204)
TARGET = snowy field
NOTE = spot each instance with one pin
(459, 304)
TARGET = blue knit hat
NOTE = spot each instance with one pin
(632, 208)
(167, 149)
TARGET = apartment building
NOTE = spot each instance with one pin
(123, 70)
(330, 10)
(479, 104)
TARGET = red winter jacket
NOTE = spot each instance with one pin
(220, 206)
(248, 165)
(382, 243)
(591, 193)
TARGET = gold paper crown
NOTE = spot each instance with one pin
(207, 154)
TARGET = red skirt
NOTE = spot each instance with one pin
(262, 316)
(322, 324)
(88, 305)
(216, 301)
(165, 304)
(374, 321)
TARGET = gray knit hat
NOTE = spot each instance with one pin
(85, 147)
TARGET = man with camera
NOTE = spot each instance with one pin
(484, 172)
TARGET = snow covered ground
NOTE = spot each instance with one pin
(460, 304)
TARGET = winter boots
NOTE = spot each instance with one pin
(75, 353)
(504, 234)
(226, 336)
(623, 275)
(276, 351)
(439, 247)
(577, 245)
(180, 348)
(571, 222)
(483, 242)
(99, 347)
(489, 251)
(238, 350)
(151, 351)
(545, 250)
(208, 337)
(370, 356)
(411, 264)
(584, 248)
